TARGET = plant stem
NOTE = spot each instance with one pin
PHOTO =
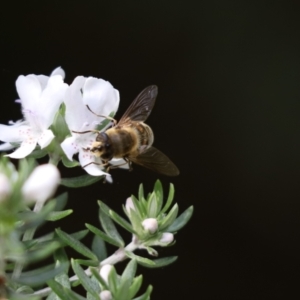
(118, 256)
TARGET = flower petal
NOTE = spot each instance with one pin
(94, 168)
(120, 163)
(59, 71)
(70, 147)
(13, 133)
(25, 149)
(6, 146)
(100, 96)
(46, 138)
(29, 90)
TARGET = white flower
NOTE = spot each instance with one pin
(102, 99)
(41, 183)
(5, 187)
(40, 97)
(150, 225)
(105, 295)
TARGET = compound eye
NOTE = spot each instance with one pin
(107, 145)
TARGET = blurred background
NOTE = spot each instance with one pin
(227, 113)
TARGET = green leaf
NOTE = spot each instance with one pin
(141, 192)
(135, 287)
(80, 181)
(102, 235)
(159, 193)
(75, 244)
(39, 276)
(90, 286)
(113, 281)
(57, 215)
(126, 280)
(99, 248)
(41, 253)
(170, 199)
(169, 219)
(96, 274)
(181, 220)
(38, 153)
(69, 163)
(80, 234)
(140, 259)
(63, 292)
(118, 219)
(152, 207)
(61, 201)
(147, 294)
(160, 262)
(110, 228)
(88, 263)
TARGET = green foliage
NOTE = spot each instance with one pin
(21, 250)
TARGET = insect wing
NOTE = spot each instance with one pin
(155, 160)
(141, 107)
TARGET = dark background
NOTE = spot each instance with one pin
(228, 114)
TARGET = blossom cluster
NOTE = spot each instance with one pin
(43, 99)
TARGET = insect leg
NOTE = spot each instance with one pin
(106, 117)
(81, 132)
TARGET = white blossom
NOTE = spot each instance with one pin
(102, 99)
(40, 98)
(166, 238)
(150, 225)
(41, 183)
(105, 295)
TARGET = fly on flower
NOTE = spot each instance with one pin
(131, 139)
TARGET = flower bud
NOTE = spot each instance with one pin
(5, 187)
(41, 183)
(104, 272)
(129, 205)
(167, 238)
(150, 225)
(105, 295)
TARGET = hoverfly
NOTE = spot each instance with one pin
(131, 139)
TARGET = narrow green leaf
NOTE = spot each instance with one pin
(99, 248)
(57, 215)
(80, 181)
(147, 294)
(39, 276)
(135, 287)
(153, 206)
(38, 254)
(159, 194)
(61, 201)
(118, 219)
(160, 262)
(88, 263)
(80, 234)
(181, 220)
(113, 281)
(129, 271)
(170, 199)
(38, 153)
(87, 283)
(140, 259)
(110, 228)
(141, 192)
(103, 235)
(75, 244)
(169, 219)
(96, 274)
(69, 163)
